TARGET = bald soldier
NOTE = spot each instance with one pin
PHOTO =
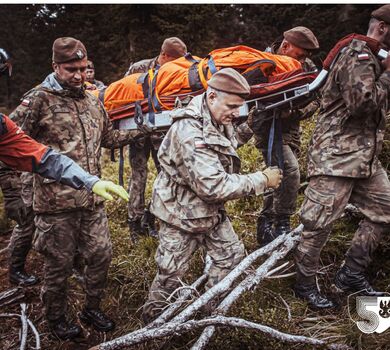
(59, 113)
(140, 220)
(343, 164)
(279, 205)
(199, 173)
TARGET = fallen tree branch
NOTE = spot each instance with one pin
(24, 330)
(176, 328)
(248, 283)
(11, 295)
(29, 323)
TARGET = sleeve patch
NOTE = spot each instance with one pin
(363, 56)
(199, 143)
(26, 102)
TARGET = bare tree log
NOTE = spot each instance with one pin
(11, 295)
(225, 285)
(249, 282)
(24, 329)
(30, 324)
(179, 328)
(167, 314)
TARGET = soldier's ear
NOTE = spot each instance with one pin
(55, 66)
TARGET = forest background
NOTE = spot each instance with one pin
(115, 36)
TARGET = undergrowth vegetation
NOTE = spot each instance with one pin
(133, 269)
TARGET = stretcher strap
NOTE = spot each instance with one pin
(275, 130)
(121, 166)
(211, 64)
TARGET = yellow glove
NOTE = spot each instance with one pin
(104, 188)
(274, 176)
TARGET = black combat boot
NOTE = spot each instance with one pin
(347, 280)
(265, 231)
(19, 277)
(64, 330)
(97, 319)
(313, 297)
(282, 225)
(136, 229)
(149, 223)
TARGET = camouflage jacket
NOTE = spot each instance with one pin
(350, 127)
(142, 66)
(199, 166)
(74, 124)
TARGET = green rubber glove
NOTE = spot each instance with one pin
(104, 188)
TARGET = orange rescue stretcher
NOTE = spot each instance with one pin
(149, 98)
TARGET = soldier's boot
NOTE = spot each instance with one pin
(136, 229)
(312, 296)
(64, 330)
(97, 319)
(282, 225)
(347, 280)
(18, 276)
(149, 223)
(265, 231)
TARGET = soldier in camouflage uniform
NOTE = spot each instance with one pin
(199, 166)
(140, 150)
(18, 150)
(343, 164)
(61, 114)
(279, 205)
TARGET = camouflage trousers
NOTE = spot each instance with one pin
(21, 239)
(326, 198)
(139, 153)
(59, 238)
(11, 187)
(282, 201)
(174, 253)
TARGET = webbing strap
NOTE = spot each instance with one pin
(190, 58)
(211, 64)
(101, 95)
(121, 166)
(275, 130)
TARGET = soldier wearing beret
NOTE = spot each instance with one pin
(199, 173)
(343, 165)
(60, 114)
(279, 205)
(140, 151)
(95, 84)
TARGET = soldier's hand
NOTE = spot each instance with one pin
(255, 119)
(274, 177)
(386, 62)
(106, 188)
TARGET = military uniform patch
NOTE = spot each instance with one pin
(199, 143)
(363, 56)
(26, 102)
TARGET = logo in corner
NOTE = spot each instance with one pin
(370, 313)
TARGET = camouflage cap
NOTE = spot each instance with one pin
(174, 47)
(68, 49)
(302, 37)
(382, 13)
(230, 81)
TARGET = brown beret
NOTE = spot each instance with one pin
(174, 47)
(90, 65)
(68, 49)
(382, 13)
(230, 81)
(302, 37)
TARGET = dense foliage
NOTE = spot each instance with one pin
(116, 35)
